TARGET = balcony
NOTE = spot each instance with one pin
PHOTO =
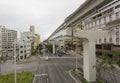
(113, 22)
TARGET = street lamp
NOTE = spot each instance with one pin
(15, 76)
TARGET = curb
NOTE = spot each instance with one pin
(72, 76)
(25, 62)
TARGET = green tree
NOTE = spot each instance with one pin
(49, 47)
(116, 57)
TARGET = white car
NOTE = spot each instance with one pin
(46, 58)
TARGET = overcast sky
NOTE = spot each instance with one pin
(45, 15)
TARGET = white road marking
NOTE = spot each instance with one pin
(73, 77)
(19, 67)
(59, 57)
(39, 75)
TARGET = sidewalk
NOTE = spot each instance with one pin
(31, 59)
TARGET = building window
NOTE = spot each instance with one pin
(21, 46)
(88, 25)
(117, 15)
(96, 23)
(105, 40)
(21, 51)
(21, 57)
(117, 32)
(110, 17)
(99, 40)
(99, 21)
(28, 37)
(110, 40)
(91, 24)
(104, 19)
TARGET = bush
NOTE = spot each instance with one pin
(49, 47)
(116, 55)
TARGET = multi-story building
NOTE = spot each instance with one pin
(93, 14)
(7, 38)
(28, 42)
(24, 48)
(105, 18)
(97, 14)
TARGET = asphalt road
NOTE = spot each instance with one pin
(56, 70)
(111, 76)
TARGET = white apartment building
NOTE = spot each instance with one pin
(27, 43)
(7, 38)
(24, 48)
(106, 16)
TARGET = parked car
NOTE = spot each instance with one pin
(60, 53)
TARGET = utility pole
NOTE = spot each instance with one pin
(15, 76)
(76, 64)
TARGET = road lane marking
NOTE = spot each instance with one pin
(34, 79)
(39, 75)
(19, 67)
(47, 80)
(59, 57)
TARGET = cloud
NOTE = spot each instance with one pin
(46, 15)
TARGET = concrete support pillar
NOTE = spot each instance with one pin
(53, 49)
(89, 60)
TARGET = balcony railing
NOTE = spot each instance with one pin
(113, 22)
